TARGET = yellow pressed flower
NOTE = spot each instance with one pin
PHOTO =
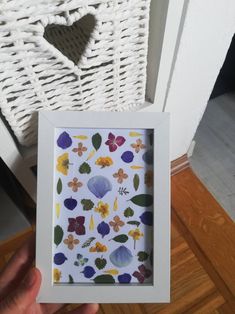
(136, 167)
(103, 209)
(92, 223)
(63, 163)
(136, 234)
(111, 271)
(115, 204)
(81, 137)
(104, 161)
(57, 209)
(99, 247)
(92, 153)
(133, 134)
(56, 275)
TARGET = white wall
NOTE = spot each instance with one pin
(208, 29)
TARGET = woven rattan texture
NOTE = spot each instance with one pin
(70, 55)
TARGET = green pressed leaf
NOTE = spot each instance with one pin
(104, 279)
(136, 181)
(143, 200)
(134, 222)
(96, 141)
(128, 212)
(100, 263)
(59, 186)
(122, 238)
(71, 279)
(142, 256)
(88, 242)
(58, 235)
(84, 168)
(87, 204)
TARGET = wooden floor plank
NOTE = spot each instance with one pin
(212, 229)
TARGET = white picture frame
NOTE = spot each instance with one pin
(159, 291)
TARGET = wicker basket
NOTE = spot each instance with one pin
(70, 55)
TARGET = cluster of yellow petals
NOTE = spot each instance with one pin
(63, 163)
(99, 247)
(56, 275)
(103, 209)
(104, 161)
(136, 234)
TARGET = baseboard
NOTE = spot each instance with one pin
(179, 164)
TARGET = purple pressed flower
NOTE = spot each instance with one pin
(113, 142)
(77, 225)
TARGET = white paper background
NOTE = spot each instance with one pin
(144, 244)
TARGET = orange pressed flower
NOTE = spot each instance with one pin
(80, 150)
(103, 209)
(138, 145)
(70, 241)
(116, 223)
(99, 247)
(120, 175)
(104, 161)
(75, 184)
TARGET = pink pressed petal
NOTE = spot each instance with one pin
(80, 145)
(80, 153)
(70, 246)
(80, 220)
(138, 276)
(79, 184)
(84, 149)
(112, 224)
(115, 175)
(74, 189)
(120, 171)
(112, 147)
(75, 180)
(121, 223)
(120, 140)
(71, 227)
(76, 241)
(133, 145)
(116, 228)
(125, 176)
(120, 180)
(80, 230)
(70, 184)
(116, 218)
(108, 142)
(75, 150)
(111, 136)
(66, 241)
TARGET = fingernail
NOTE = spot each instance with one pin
(30, 279)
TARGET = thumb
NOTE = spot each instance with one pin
(19, 301)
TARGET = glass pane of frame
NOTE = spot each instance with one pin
(103, 206)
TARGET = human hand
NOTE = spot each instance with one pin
(19, 286)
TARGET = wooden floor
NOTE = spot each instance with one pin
(202, 255)
(213, 159)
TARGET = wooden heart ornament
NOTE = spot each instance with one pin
(71, 40)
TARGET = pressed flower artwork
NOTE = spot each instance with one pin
(103, 206)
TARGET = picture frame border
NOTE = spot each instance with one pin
(50, 292)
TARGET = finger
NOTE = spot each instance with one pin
(86, 309)
(17, 267)
(52, 307)
(25, 295)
